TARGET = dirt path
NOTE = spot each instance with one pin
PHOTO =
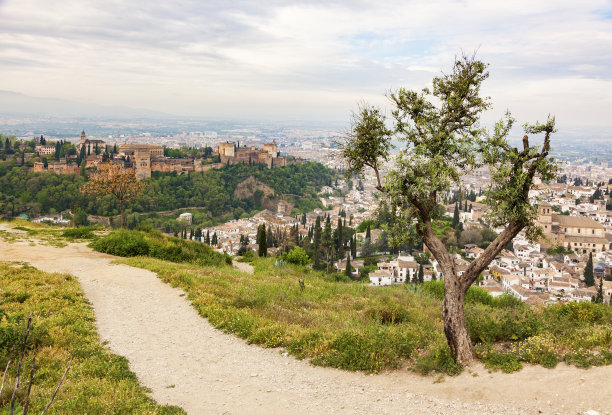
(186, 362)
(243, 266)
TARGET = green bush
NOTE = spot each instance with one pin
(371, 351)
(506, 362)
(122, 243)
(488, 325)
(440, 360)
(128, 243)
(83, 232)
(297, 256)
(582, 312)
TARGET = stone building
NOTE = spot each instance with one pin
(44, 150)
(232, 153)
(58, 168)
(146, 158)
(91, 145)
(578, 233)
(141, 156)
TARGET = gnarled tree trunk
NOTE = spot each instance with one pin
(455, 286)
(455, 327)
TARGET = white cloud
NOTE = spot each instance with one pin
(305, 59)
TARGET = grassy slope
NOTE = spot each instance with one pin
(99, 382)
(357, 327)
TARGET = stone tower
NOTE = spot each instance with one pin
(545, 217)
(82, 137)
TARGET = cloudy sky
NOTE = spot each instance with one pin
(309, 60)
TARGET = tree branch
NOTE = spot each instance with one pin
(27, 399)
(374, 167)
(58, 387)
(489, 254)
(437, 248)
(6, 370)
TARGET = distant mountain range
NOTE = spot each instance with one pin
(15, 103)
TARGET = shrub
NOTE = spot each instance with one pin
(297, 256)
(488, 325)
(582, 312)
(129, 243)
(83, 232)
(371, 351)
(438, 359)
(122, 243)
(507, 362)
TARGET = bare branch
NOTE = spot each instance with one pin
(379, 187)
(23, 349)
(27, 400)
(6, 369)
(58, 387)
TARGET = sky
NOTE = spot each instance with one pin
(308, 60)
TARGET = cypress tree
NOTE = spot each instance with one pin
(456, 217)
(466, 206)
(354, 246)
(207, 237)
(421, 274)
(589, 280)
(214, 241)
(317, 243)
(263, 246)
(340, 244)
(347, 271)
(367, 236)
(599, 298)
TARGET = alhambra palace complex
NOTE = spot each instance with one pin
(146, 158)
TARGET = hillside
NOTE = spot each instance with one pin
(211, 193)
(184, 361)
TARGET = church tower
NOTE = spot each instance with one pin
(545, 217)
(82, 137)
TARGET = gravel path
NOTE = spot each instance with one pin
(186, 362)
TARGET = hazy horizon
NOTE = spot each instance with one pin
(309, 61)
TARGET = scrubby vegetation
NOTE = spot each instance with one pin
(356, 327)
(129, 243)
(98, 382)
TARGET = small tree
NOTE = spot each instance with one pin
(261, 241)
(348, 269)
(456, 217)
(600, 296)
(589, 279)
(421, 276)
(112, 179)
(443, 140)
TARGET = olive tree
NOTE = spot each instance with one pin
(443, 140)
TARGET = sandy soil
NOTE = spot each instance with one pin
(186, 362)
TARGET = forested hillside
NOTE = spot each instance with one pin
(23, 191)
